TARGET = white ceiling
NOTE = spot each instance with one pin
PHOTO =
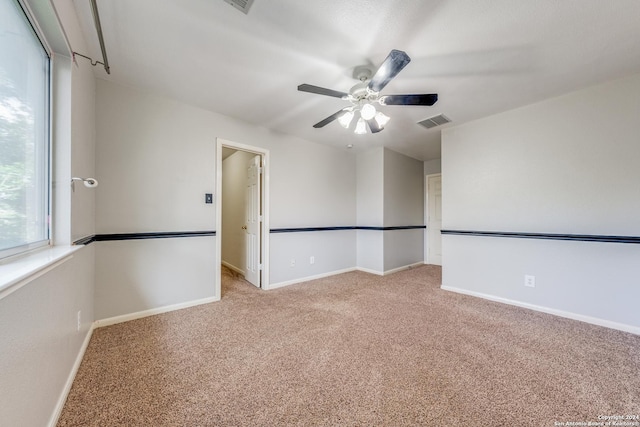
(480, 56)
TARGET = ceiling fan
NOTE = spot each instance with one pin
(365, 94)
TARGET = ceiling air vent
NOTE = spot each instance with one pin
(434, 121)
(241, 5)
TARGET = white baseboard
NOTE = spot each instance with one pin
(405, 267)
(569, 315)
(393, 270)
(72, 376)
(233, 267)
(152, 312)
(309, 278)
(370, 271)
(346, 270)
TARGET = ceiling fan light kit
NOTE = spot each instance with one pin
(361, 129)
(368, 111)
(346, 118)
(382, 118)
(366, 93)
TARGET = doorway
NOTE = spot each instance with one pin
(433, 249)
(242, 220)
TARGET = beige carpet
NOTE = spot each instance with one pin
(354, 350)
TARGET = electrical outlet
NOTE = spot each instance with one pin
(312, 260)
(530, 281)
(293, 262)
(78, 317)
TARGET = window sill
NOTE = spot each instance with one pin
(17, 272)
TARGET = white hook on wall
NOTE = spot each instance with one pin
(88, 182)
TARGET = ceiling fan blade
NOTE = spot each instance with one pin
(331, 118)
(422, 99)
(392, 65)
(374, 126)
(321, 91)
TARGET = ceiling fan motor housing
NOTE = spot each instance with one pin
(359, 92)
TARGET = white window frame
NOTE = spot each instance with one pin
(10, 253)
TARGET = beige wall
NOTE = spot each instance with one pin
(155, 159)
(40, 342)
(568, 165)
(390, 193)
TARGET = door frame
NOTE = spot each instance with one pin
(264, 202)
(427, 254)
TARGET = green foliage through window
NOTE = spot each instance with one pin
(24, 146)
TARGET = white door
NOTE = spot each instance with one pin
(434, 221)
(253, 222)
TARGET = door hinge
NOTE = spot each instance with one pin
(259, 266)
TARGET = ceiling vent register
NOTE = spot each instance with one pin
(434, 121)
(241, 5)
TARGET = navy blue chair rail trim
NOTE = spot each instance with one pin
(141, 236)
(85, 240)
(353, 227)
(547, 236)
(164, 235)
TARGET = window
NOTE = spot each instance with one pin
(24, 133)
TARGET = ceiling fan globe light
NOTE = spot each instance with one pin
(360, 127)
(368, 111)
(382, 118)
(345, 119)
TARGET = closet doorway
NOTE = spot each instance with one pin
(242, 223)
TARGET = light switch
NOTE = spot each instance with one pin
(208, 198)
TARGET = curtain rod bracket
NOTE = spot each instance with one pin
(93, 63)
